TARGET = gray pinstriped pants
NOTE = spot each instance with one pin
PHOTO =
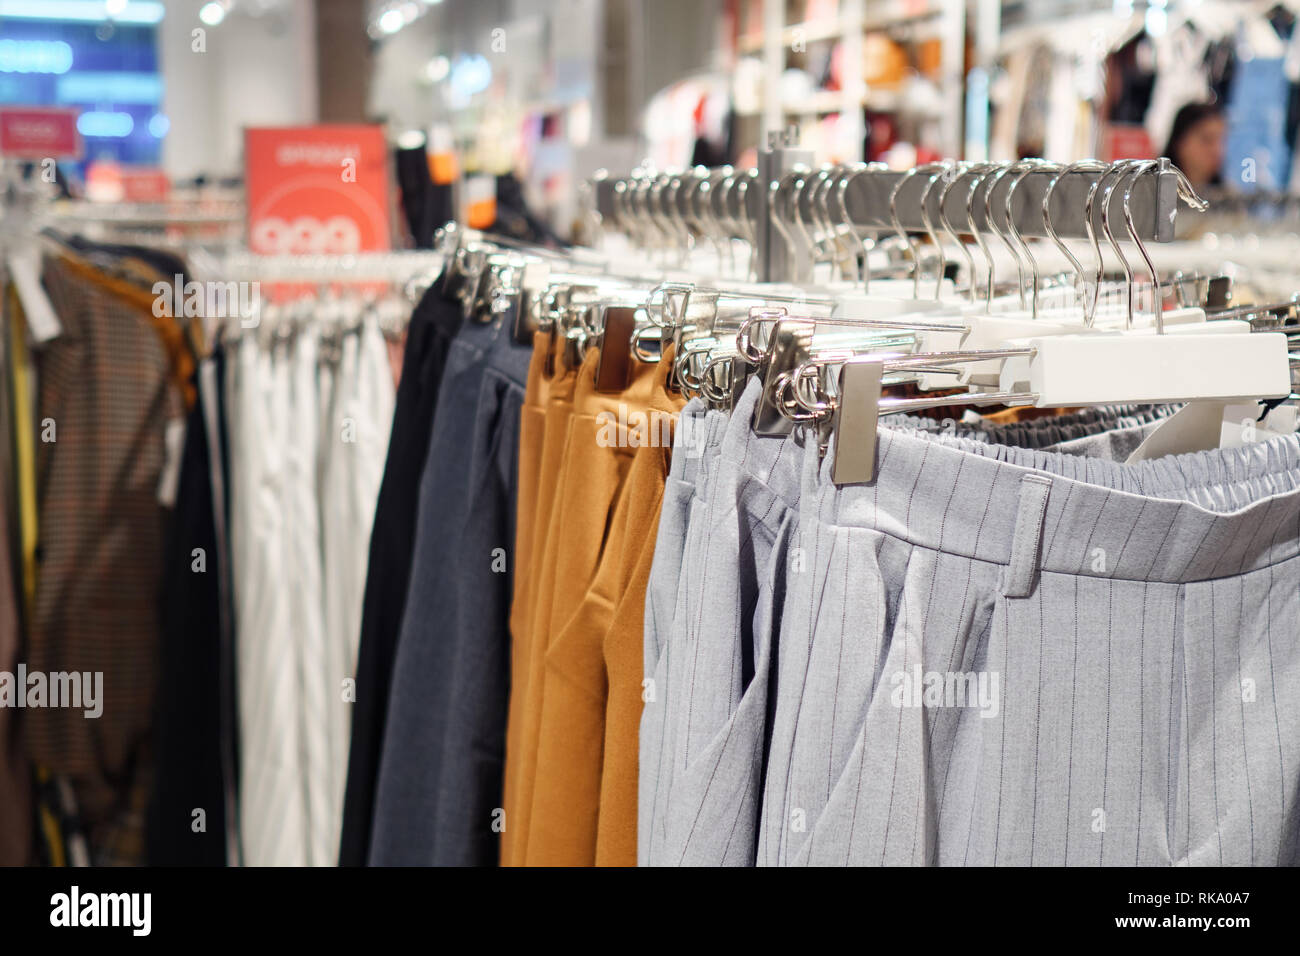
(714, 601)
(1144, 626)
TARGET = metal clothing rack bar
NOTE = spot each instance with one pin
(1153, 202)
(358, 267)
(146, 214)
(782, 156)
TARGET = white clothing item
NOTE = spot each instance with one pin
(273, 819)
(1180, 79)
(302, 569)
(308, 425)
(353, 454)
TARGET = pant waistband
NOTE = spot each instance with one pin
(1178, 519)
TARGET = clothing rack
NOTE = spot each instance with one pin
(878, 199)
(147, 215)
(353, 268)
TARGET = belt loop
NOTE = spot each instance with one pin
(1026, 541)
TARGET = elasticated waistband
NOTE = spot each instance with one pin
(1041, 432)
(1177, 519)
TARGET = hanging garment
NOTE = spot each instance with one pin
(591, 475)
(532, 446)
(354, 445)
(1180, 79)
(433, 325)
(192, 709)
(719, 651)
(20, 398)
(273, 820)
(696, 443)
(106, 398)
(1257, 153)
(1127, 632)
(306, 408)
(623, 647)
(307, 432)
(15, 772)
(703, 739)
(438, 793)
(544, 431)
(584, 797)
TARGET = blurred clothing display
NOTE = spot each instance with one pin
(308, 410)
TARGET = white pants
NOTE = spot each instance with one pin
(308, 435)
(353, 451)
(272, 814)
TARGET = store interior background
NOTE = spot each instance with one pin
(554, 90)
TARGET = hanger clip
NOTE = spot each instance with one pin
(857, 415)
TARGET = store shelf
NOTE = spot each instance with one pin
(810, 31)
(851, 25)
(886, 15)
(825, 102)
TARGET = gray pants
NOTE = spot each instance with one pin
(730, 544)
(716, 593)
(702, 735)
(1012, 656)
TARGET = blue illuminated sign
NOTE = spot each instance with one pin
(107, 70)
(35, 56)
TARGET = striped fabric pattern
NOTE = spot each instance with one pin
(1140, 621)
(1146, 706)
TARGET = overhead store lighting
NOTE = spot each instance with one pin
(212, 13)
(471, 74)
(105, 123)
(35, 56)
(390, 21)
(436, 70)
(396, 16)
(84, 11)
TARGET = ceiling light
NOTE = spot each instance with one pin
(82, 11)
(35, 56)
(390, 21)
(411, 139)
(436, 70)
(212, 13)
(105, 123)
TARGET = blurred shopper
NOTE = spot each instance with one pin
(1196, 144)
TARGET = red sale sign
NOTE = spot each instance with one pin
(112, 182)
(31, 132)
(317, 189)
(1125, 141)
